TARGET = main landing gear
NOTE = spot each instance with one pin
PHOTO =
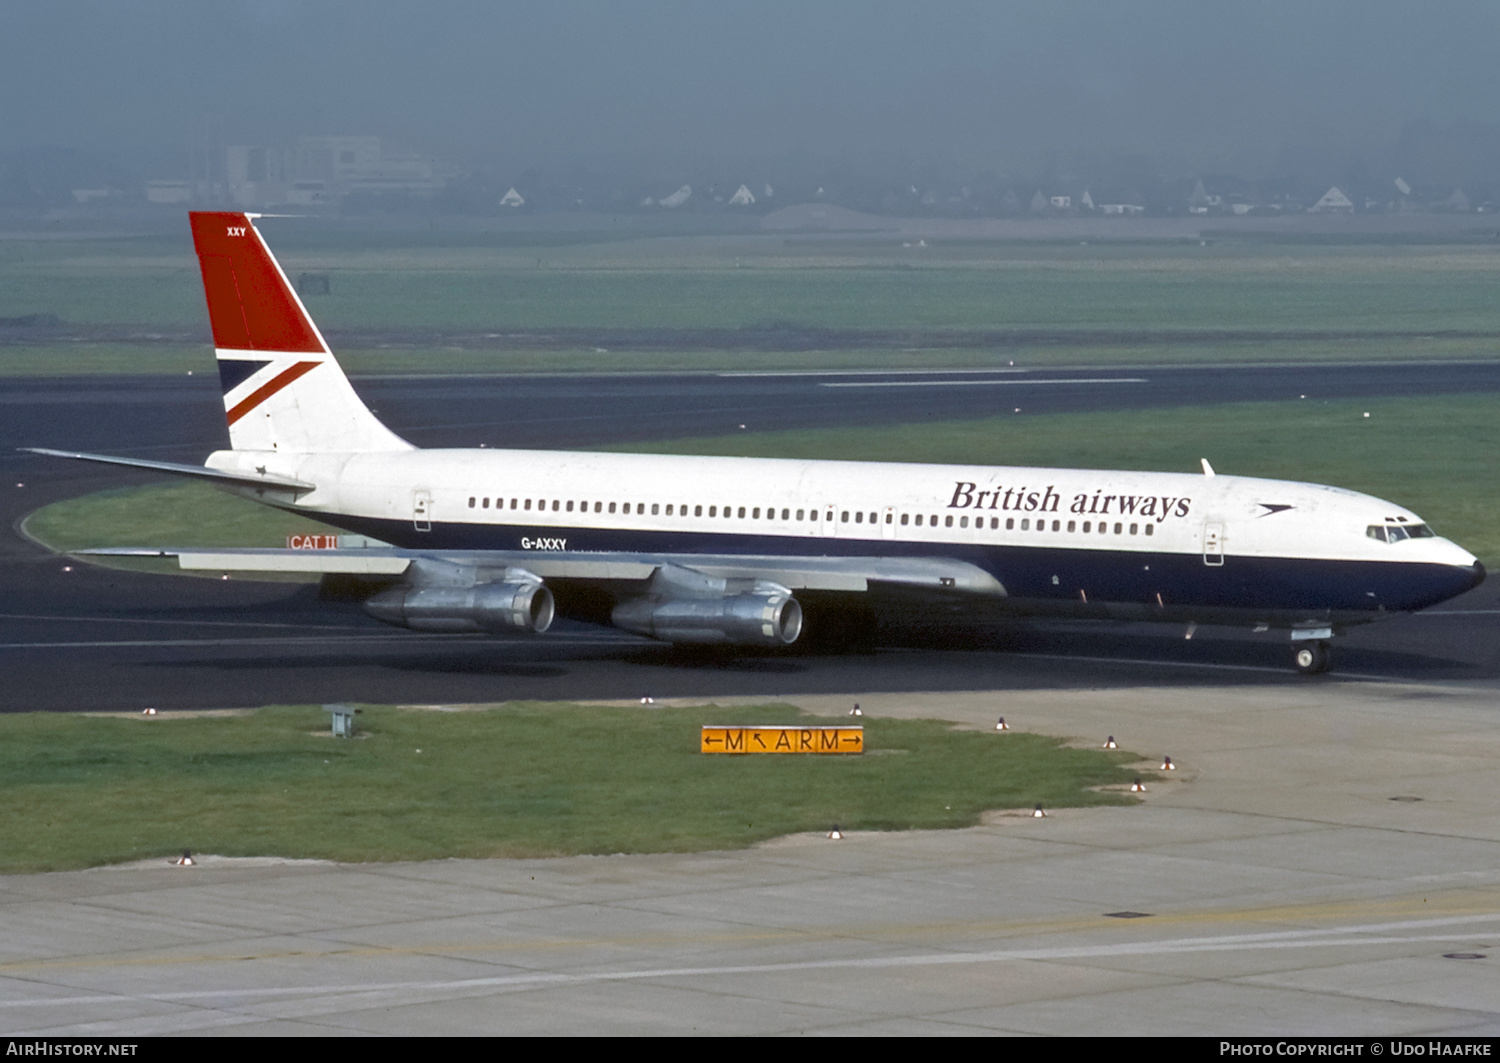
(1311, 657)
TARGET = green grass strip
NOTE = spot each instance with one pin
(519, 780)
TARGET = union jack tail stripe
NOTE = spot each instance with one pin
(269, 388)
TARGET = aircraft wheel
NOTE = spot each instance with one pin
(1311, 658)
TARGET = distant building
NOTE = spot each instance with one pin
(1332, 202)
(172, 192)
(677, 198)
(255, 176)
(742, 198)
(1457, 202)
(351, 165)
(512, 199)
(1221, 194)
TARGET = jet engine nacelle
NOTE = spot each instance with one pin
(514, 607)
(767, 615)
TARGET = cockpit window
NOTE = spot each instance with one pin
(1394, 533)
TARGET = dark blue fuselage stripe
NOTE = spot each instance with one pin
(1042, 572)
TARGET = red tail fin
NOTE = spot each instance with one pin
(250, 305)
(283, 389)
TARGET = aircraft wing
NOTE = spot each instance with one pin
(855, 574)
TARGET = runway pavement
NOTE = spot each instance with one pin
(75, 636)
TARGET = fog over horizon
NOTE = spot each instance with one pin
(657, 86)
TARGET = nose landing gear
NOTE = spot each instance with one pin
(1311, 657)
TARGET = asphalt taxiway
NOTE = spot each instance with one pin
(76, 636)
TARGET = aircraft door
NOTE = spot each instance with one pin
(1213, 543)
(421, 510)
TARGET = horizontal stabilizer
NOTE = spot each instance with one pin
(197, 472)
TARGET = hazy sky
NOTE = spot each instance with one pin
(1005, 85)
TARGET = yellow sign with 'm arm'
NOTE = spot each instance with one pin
(782, 740)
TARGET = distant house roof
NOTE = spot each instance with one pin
(1332, 200)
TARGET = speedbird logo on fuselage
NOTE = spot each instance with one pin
(966, 495)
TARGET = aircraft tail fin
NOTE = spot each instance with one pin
(283, 389)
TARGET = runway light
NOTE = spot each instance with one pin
(742, 426)
(1109, 743)
(648, 701)
(1138, 787)
(67, 568)
(835, 834)
(1167, 765)
(856, 710)
(185, 860)
(224, 576)
(1367, 413)
(148, 712)
(1039, 814)
(1001, 725)
(20, 485)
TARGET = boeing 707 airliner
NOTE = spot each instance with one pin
(729, 550)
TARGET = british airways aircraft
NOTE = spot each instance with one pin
(730, 550)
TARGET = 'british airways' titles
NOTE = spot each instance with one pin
(967, 495)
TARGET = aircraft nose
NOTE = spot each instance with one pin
(1478, 577)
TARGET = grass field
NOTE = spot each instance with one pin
(512, 781)
(1358, 302)
(1432, 454)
